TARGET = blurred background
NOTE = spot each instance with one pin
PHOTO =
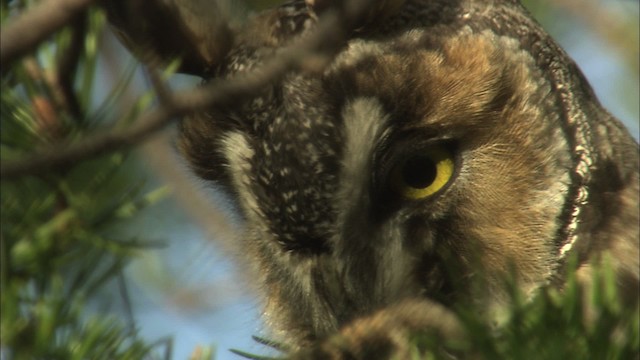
(188, 292)
(192, 291)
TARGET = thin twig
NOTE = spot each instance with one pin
(68, 64)
(318, 48)
(23, 34)
(159, 86)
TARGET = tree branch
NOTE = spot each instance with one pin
(312, 53)
(23, 34)
(67, 66)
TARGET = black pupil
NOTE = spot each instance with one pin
(419, 172)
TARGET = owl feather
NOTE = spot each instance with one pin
(447, 146)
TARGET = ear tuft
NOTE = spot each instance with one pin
(159, 31)
(378, 12)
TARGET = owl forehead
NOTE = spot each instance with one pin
(430, 80)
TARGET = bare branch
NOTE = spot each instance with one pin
(68, 64)
(89, 147)
(162, 90)
(317, 50)
(31, 28)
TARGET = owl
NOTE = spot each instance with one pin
(445, 146)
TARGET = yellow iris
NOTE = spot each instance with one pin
(423, 174)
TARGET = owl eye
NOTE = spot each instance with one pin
(423, 174)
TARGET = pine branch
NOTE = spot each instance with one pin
(310, 54)
(23, 34)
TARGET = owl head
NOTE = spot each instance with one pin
(447, 145)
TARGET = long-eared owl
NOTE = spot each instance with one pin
(446, 145)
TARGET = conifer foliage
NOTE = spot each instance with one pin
(58, 245)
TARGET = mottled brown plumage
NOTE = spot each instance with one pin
(540, 172)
